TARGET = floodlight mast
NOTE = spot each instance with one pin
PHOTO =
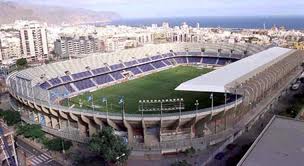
(211, 97)
(139, 103)
(196, 105)
(225, 95)
(107, 107)
(161, 108)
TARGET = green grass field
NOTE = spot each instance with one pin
(159, 85)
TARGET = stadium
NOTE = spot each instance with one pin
(161, 97)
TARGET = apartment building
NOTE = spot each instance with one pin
(68, 46)
(10, 50)
(33, 39)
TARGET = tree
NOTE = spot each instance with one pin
(32, 131)
(57, 144)
(189, 151)
(111, 147)
(21, 62)
(10, 117)
(181, 163)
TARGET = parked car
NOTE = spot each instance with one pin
(219, 156)
(296, 85)
(230, 146)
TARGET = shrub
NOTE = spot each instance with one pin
(32, 131)
(10, 117)
(190, 151)
(181, 163)
(21, 62)
(57, 144)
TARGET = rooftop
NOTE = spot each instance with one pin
(280, 144)
(223, 79)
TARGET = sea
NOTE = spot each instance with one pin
(289, 22)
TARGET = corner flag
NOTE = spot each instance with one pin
(90, 98)
(121, 100)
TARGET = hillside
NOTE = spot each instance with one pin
(11, 11)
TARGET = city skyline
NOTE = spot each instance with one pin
(173, 8)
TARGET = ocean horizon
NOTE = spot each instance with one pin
(246, 22)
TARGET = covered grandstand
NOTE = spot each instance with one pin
(224, 79)
(250, 73)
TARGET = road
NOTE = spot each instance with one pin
(36, 157)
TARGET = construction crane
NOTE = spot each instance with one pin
(7, 152)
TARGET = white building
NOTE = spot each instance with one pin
(9, 47)
(10, 50)
(69, 46)
(34, 42)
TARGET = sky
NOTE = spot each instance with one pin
(183, 8)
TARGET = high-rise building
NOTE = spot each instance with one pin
(166, 25)
(34, 42)
(10, 50)
(154, 25)
(70, 46)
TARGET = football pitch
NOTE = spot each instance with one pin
(155, 86)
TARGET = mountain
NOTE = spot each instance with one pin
(11, 11)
